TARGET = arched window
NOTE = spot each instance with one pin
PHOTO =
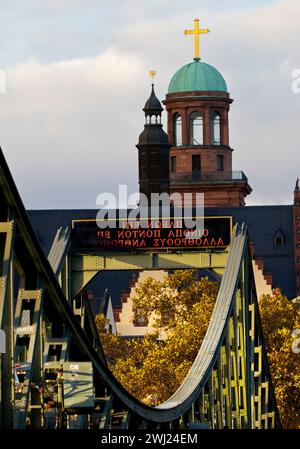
(216, 129)
(196, 129)
(177, 130)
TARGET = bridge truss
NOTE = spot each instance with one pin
(47, 327)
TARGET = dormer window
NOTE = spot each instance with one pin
(279, 239)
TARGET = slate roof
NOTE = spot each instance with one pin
(263, 222)
(115, 281)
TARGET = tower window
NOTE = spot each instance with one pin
(196, 162)
(220, 162)
(173, 164)
(279, 238)
(177, 130)
(216, 129)
(196, 129)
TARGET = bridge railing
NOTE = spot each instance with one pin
(197, 176)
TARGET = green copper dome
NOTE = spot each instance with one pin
(197, 76)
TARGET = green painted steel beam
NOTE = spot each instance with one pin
(85, 267)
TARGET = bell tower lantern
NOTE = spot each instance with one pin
(153, 150)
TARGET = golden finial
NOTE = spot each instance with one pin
(152, 74)
(197, 31)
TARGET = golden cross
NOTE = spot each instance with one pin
(152, 74)
(197, 31)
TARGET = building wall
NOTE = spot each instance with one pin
(125, 326)
(263, 287)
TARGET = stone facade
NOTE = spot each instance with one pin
(221, 185)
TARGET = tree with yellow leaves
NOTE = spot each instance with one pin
(153, 367)
(279, 319)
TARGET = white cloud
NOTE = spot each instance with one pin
(257, 52)
(63, 127)
(64, 3)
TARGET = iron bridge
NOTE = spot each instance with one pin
(49, 338)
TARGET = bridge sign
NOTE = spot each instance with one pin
(157, 235)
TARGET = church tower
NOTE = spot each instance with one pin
(153, 150)
(198, 105)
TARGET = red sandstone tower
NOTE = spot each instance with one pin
(198, 104)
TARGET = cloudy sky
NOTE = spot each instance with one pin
(77, 80)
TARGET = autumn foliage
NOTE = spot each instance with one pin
(153, 367)
(279, 318)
